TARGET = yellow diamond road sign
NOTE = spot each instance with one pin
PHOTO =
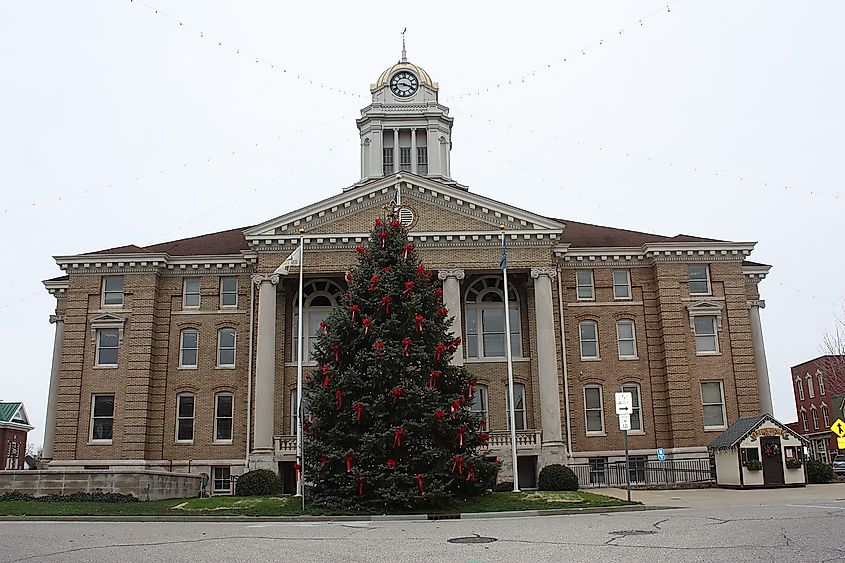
(838, 428)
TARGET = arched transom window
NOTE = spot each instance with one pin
(318, 298)
(485, 319)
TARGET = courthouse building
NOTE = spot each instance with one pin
(181, 355)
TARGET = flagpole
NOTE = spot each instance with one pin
(300, 443)
(512, 414)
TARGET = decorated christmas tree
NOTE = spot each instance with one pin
(390, 425)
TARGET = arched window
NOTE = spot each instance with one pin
(188, 345)
(820, 378)
(799, 385)
(804, 420)
(485, 319)
(185, 417)
(593, 409)
(588, 332)
(226, 347)
(810, 389)
(319, 297)
(223, 416)
(519, 411)
(815, 414)
(479, 404)
(826, 416)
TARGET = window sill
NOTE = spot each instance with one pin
(697, 353)
(596, 434)
(106, 366)
(580, 300)
(625, 358)
(225, 367)
(591, 359)
(622, 298)
(222, 443)
(99, 442)
(186, 367)
(495, 360)
(184, 442)
(715, 428)
(636, 433)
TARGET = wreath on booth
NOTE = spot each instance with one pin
(772, 450)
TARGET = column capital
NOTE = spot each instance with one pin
(258, 279)
(546, 271)
(751, 303)
(457, 274)
(57, 319)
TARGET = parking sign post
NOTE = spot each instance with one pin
(624, 408)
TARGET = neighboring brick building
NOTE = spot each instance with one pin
(14, 426)
(818, 386)
(161, 351)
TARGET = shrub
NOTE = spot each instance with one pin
(72, 497)
(819, 472)
(503, 487)
(556, 477)
(258, 482)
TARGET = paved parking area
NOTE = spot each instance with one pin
(708, 498)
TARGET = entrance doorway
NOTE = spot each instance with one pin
(287, 473)
(772, 460)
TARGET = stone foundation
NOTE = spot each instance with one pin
(144, 484)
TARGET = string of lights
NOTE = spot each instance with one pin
(763, 184)
(235, 50)
(574, 54)
(809, 295)
(211, 159)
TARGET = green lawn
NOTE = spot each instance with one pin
(289, 506)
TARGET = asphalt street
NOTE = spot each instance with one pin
(792, 531)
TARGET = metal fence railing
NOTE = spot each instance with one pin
(600, 473)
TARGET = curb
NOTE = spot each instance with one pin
(344, 518)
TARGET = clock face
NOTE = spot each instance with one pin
(404, 84)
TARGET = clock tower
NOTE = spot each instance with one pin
(405, 128)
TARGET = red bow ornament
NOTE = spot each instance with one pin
(359, 486)
(455, 343)
(348, 459)
(459, 436)
(359, 409)
(394, 224)
(432, 380)
(458, 464)
(339, 396)
(383, 236)
(443, 311)
(419, 320)
(348, 277)
(472, 384)
(335, 347)
(470, 474)
(391, 463)
(361, 250)
(456, 406)
(439, 349)
(398, 392)
(420, 483)
(484, 438)
(408, 248)
(397, 437)
(439, 293)
(421, 270)
(386, 300)
(366, 321)
(373, 282)
(354, 308)
(326, 369)
(324, 327)
(409, 287)
(379, 346)
(439, 414)
(378, 223)
(406, 343)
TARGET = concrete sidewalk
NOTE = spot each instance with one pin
(714, 498)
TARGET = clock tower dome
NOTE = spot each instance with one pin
(405, 128)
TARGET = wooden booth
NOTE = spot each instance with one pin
(758, 451)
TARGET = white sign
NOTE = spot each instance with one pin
(624, 403)
(625, 421)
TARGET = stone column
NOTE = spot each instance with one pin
(547, 356)
(413, 150)
(763, 388)
(396, 151)
(265, 372)
(53, 396)
(452, 301)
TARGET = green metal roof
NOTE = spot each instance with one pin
(8, 410)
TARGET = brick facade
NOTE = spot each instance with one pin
(825, 399)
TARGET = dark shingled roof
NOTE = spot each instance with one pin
(587, 235)
(223, 242)
(737, 431)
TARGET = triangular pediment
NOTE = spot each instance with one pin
(437, 207)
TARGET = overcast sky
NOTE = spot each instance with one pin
(721, 119)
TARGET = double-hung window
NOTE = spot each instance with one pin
(593, 409)
(804, 420)
(221, 480)
(405, 159)
(422, 161)
(191, 293)
(799, 385)
(626, 339)
(479, 404)
(636, 413)
(699, 279)
(815, 414)
(589, 334)
(519, 411)
(226, 348)
(228, 291)
(185, 417)
(621, 284)
(811, 391)
(223, 410)
(102, 418)
(584, 288)
(826, 415)
(387, 160)
(108, 341)
(188, 347)
(112, 291)
(820, 379)
(713, 405)
(706, 338)
(485, 319)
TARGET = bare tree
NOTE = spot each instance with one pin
(832, 364)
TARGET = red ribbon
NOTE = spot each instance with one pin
(398, 392)
(397, 437)
(348, 277)
(432, 380)
(379, 346)
(394, 224)
(408, 248)
(456, 406)
(348, 459)
(373, 282)
(326, 369)
(359, 408)
(439, 293)
(366, 321)
(420, 483)
(359, 485)
(484, 438)
(409, 286)
(458, 464)
(324, 327)
(339, 396)
(391, 463)
(354, 308)
(438, 351)
(443, 311)
(470, 474)
(361, 250)
(455, 343)
(383, 236)
(439, 414)
(472, 383)
(378, 223)
(421, 270)
(406, 343)
(386, 301)
(335, 347)
(419, 320)
(298, 471)
(459, 436)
